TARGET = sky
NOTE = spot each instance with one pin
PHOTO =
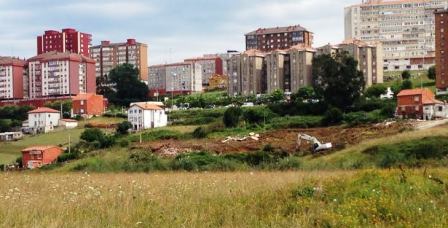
(173, 29)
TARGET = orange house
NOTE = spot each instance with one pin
(38, 156)
(88, 104)
(417, 103)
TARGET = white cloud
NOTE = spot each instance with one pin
(111, 9)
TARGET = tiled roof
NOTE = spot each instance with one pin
(410, 92)
(54, 55)
(40, 148)
(263, 31)
(11, 61)
(427, 95)
(43, 110)
(148, 106)
(83, 96)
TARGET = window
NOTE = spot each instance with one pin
(416, 98)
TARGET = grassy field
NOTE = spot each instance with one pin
(418, 78)
(239, 199)
(9, 151)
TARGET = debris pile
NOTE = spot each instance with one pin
(252, 135)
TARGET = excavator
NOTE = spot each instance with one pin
(317, 145)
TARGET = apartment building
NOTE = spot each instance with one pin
(441, 18)
(404, 27)
(12, 73)
(211, 65)
(109, 55)
(247, 73)
(277, 70)
(301, 67)
(69, 40)
(368, 54)
(270, 39)
(176, 78)
(55, 74)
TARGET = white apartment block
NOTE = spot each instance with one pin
(179, 78)
(404, 27)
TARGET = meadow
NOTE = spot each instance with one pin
(364, 198)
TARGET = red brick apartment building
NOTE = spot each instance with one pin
(69, 40)
(278, 38)
(38, 156)
(441, 21)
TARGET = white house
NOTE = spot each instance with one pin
(43, 120)
(11, 136)
(68, 123)
(146, 115)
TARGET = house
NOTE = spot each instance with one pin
(38, 156)
(11, 136)
(43, 120)
(88, 105)
(420, 104)
(68, 123)
(146, 115)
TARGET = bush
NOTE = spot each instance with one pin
(333, 116)
(406, 75)
(204, 161)
(157, 135)
(74, 154)
(92, 135)
(432, 73)
(296, 122)
(123, 128)
(257, 115)
(124, 143)
(200, 133)
(407, 84)
(232, 117)
(375, 91)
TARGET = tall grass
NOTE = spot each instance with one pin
(249, 199)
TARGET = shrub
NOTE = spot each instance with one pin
(123, 128)
(432, 73)
(333, 116)
(296, 122)
(92, 135)
(124, 143)
(232, 117)
(200, 133)
(407, 84)
(74, 154)
(375, 91)
(204, 161)
(406, 75)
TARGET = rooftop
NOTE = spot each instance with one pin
(147, 106)
(43, 110)
(38, 148)
(12, 61)
(84, 96)
(54, 55)
(264, 31)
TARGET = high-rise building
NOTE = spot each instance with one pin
(369, 57)
(69, 40)
(109, 55)
(12, 73)
(176, 78)
(211, 65)
(55, 74)
(441, 51)
(404, 27)
(247, 73)
(301, 67)
(270, 39)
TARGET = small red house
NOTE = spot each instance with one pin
(417, 103)
(88, 104)
(38, 156)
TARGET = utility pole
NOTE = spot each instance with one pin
(69, 144)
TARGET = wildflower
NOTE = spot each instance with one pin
(138, 223)
(335, 200)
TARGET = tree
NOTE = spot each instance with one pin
(127, 87)
(337, 79)
(305, 94)
(66, 107)
(232, 116)
(376, 90)
(432, 73)
(277, 96)
(123, 128)
(407, 84)
(333, 116)
(92, 135)
(406, 75)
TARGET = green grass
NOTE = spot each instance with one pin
(9, 151)
(418, 78)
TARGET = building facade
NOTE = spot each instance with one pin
(43, 120)
(55, 74)
(69, 40)
(109, 55)
(420, 104)
(441, 18)
(88, 105)
(404, 27)
(176, 78)
(301, 68)
(38, 156)
(270, 39)
(368, 54)
(247, 74)
(12, 74)
(146, 115)
(210, 66)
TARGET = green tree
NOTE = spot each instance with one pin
(92, 135)
(406, 75)
(432, 73)
(333, 116)
(128, 88)
(232, 117)
(305, 94)
(337, 79)
(66, 107)
(407, 84)
(376, 90)
(277, 96)
(123, 127)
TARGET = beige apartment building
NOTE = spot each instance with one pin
(175, 78)
(404, 27)
(247, 73)
(301, 67)
(109, 55)
(368, 54)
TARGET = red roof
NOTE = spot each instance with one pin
(39, 148)
(148, 106)
(410, 92)
(83, 96)
(428, 96)
(43, 110)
